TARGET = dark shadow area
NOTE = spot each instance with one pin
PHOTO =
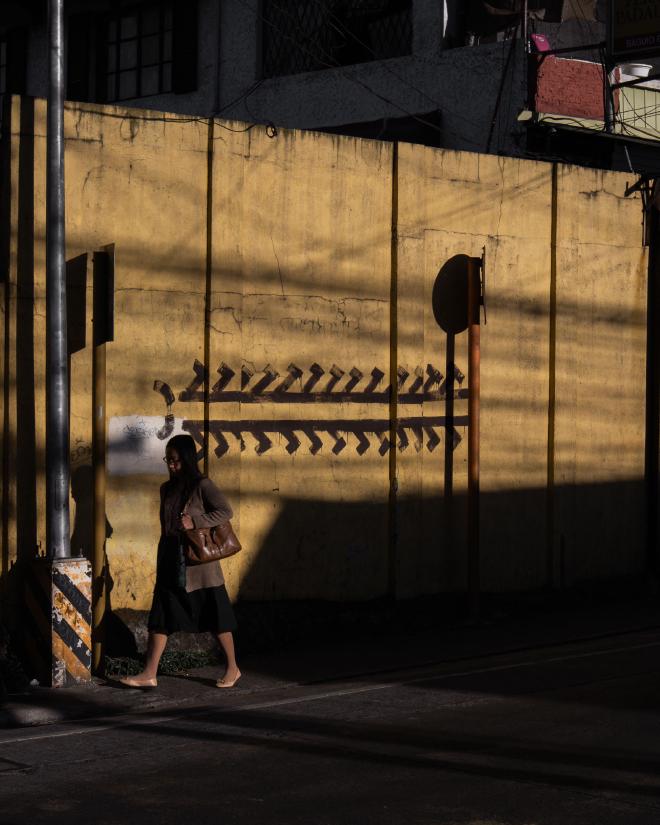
(598, 534)
(24, 424)
(423, 127)
(5, 229)
(355, 741)
(593, 522)
(19, 460)
(449, 301)
(464, 740)
(76, 304)
(449, 298)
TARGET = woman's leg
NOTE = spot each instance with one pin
(147, 678)
(227, 644)
(155, 647)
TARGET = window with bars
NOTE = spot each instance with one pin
(138, 58)
(307, 35)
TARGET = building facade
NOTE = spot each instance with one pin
(440, 72)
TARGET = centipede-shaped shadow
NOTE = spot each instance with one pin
(316, 385)
(418, 431)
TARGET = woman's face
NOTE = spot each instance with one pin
(173, 462)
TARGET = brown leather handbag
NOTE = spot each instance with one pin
(205, 544)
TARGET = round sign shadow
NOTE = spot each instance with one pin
(450, 295)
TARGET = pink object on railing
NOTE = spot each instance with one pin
(540, 42)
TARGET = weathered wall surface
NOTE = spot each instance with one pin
(262, 268)
(562, 375)
(598, 445)
(300, 313)
(452, 204)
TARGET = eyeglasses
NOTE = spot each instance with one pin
(172, 461)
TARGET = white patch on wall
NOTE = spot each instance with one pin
(134, 445)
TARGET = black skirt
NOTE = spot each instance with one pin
(206, 609)
(174, 609)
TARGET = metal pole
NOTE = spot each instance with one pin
(57, 400)
(608, 93)
(474, 363)
(524, 24)
(609, 103)
(98, 559)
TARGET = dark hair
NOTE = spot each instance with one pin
(190, 472)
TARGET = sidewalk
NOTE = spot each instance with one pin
(321, 663)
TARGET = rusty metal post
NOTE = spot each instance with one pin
(104, 264)
(98, 452)
(474, 362)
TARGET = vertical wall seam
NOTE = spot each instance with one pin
(393, 411)
(208, 289)
(552, 366)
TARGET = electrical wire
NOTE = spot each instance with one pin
(270, 127)
(635, 131)
(244, 96)
(559, 119)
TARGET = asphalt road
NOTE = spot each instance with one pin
(563, 735)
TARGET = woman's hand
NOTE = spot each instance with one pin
(186, 522)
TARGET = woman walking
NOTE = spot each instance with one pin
(193, 598)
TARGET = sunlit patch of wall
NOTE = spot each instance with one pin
(562, 371)
(301, 280)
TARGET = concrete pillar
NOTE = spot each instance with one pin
(57, 627)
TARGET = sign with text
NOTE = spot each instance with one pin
(633, 29)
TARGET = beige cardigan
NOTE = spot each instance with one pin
(207, 506)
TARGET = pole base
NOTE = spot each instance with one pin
(58, 634)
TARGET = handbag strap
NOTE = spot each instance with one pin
(192, 493)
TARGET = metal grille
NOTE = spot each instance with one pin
(307, 35)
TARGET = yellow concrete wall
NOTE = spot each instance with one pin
(286, 241)
(457, 203)
(600, 374)
(301, 275)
